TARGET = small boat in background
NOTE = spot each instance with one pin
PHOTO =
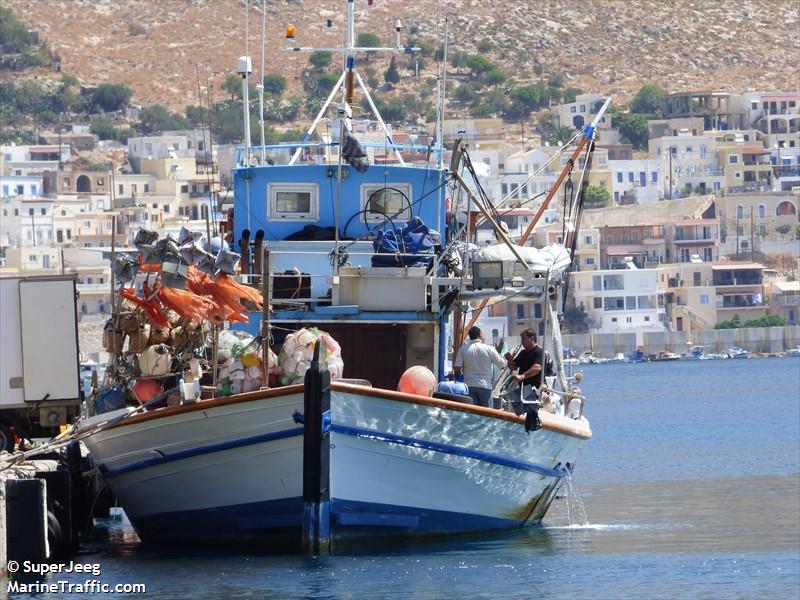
(590, 358)
(737, 352)
(665, 355)
(638, 356)
(793, 351)
(619, 357)
(697, 353)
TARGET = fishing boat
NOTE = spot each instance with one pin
(737, 352)
(336, 234)
(665, 356)
(793, 351)
(638, 356)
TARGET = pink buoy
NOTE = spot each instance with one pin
(417, 380)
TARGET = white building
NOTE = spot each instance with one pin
(620, 301)
(689, 160)
(636, 181)
(31, 160)
(582, 112)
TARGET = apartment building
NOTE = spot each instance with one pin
(620, 301)
(700, 295)
(758, 215)
(691, 163)
(650, 234)
(581, 113)
(636, 181)
(784, 300)
(22, 161)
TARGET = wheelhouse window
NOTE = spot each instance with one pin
(293, 202)
(392, 201)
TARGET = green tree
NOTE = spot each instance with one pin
(111, 96)
(595, 196)
(648, 100)
(14, 36)
(274, 84)
(527, 96)
(158, 118)
(466, 92)
(320, 59)
(633, 128)
(103, 128)
(459, 60)
(485, 46)
(555, 81)
(368, 40)
(576, 320)
(233, 86)
(392, 74)
(319, 85)
(783, 229)
(571, 94)
(561, 135)
(425, 48)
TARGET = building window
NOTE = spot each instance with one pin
(573, 109)
(119, 189)
(630, 176)
(654, 176)
(43, 211)
(629, 319)
(293, 202)
(69, 234)
(598, 303)
(146, 187)
(704, 298)
(588, 239)
(30, 212)
(762, 211)
(520, 311)
(619, 177)
(537, 311)
(20, 190)
(613, 319)
(740, 212)
(589, 261)
(166, 209)
(646, 318)
(733, 159)
(184, 189)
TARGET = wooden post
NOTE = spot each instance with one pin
(316, 457)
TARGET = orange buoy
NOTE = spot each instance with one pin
(417, 380)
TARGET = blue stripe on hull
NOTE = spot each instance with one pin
(278, 523)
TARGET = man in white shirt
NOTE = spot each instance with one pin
(475, 359)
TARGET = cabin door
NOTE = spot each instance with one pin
(375, 352)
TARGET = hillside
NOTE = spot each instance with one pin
(606, 46)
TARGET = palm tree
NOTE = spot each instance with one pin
(561, 135)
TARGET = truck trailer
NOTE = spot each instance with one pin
(40, 385)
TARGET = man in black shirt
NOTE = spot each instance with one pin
(526, 366)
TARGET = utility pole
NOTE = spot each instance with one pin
(737, 234)
(752, 237)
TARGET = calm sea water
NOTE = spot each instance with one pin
(690, 488)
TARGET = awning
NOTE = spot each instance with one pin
(625, 250)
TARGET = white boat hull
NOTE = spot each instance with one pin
(400, 465)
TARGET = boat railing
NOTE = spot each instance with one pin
(327, 153)
(309, 278)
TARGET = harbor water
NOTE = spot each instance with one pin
(690, 488)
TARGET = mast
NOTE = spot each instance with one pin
(349, 74)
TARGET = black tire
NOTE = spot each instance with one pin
(6, 438)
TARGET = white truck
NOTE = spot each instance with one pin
(40, 387)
